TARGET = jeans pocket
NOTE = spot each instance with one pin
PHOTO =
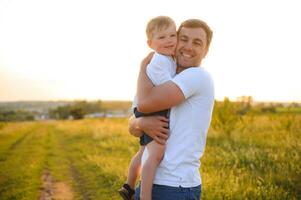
(195, 193)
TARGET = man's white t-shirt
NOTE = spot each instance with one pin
(189, 123)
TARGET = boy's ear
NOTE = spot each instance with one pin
(149, 43)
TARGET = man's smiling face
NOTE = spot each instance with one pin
(191, 48)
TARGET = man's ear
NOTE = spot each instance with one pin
(206, 51)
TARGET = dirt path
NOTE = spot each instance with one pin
(51, 190)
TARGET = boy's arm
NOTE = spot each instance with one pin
(151, 98)
(154, 126)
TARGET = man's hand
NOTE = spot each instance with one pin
(144, 84)
(154, 126)
(146, 61)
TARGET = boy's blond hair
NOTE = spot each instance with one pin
(157, 24)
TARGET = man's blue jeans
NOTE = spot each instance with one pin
(162, 192)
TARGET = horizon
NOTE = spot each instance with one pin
(128, 100)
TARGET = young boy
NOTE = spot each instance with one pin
(162, 38)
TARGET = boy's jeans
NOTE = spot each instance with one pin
(162, 192)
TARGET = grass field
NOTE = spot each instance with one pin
(88, 159)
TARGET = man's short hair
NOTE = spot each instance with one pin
(197, 23)
(157, 24)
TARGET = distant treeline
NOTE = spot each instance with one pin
(224, 111)
(75, 110)
(33, 106)
(31, 110)
(19, 115)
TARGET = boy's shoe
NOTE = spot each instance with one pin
(126, 192)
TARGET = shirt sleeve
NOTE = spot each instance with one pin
(193, 81)
(161, 69)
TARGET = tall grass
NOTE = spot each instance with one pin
(261, 161)
(259, 158)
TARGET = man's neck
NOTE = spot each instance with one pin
(180, 69)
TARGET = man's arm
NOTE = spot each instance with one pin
(154, 126)
(155, 98)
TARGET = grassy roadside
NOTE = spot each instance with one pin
(22, 160)
(98, 155)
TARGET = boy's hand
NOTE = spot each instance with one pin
(155, 127)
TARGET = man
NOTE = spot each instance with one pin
(190, 94)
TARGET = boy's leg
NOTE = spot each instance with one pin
(127, 191)
(155, 155)
(134, 168)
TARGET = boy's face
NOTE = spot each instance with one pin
(164, 41)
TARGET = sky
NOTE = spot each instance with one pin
(91, 49)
